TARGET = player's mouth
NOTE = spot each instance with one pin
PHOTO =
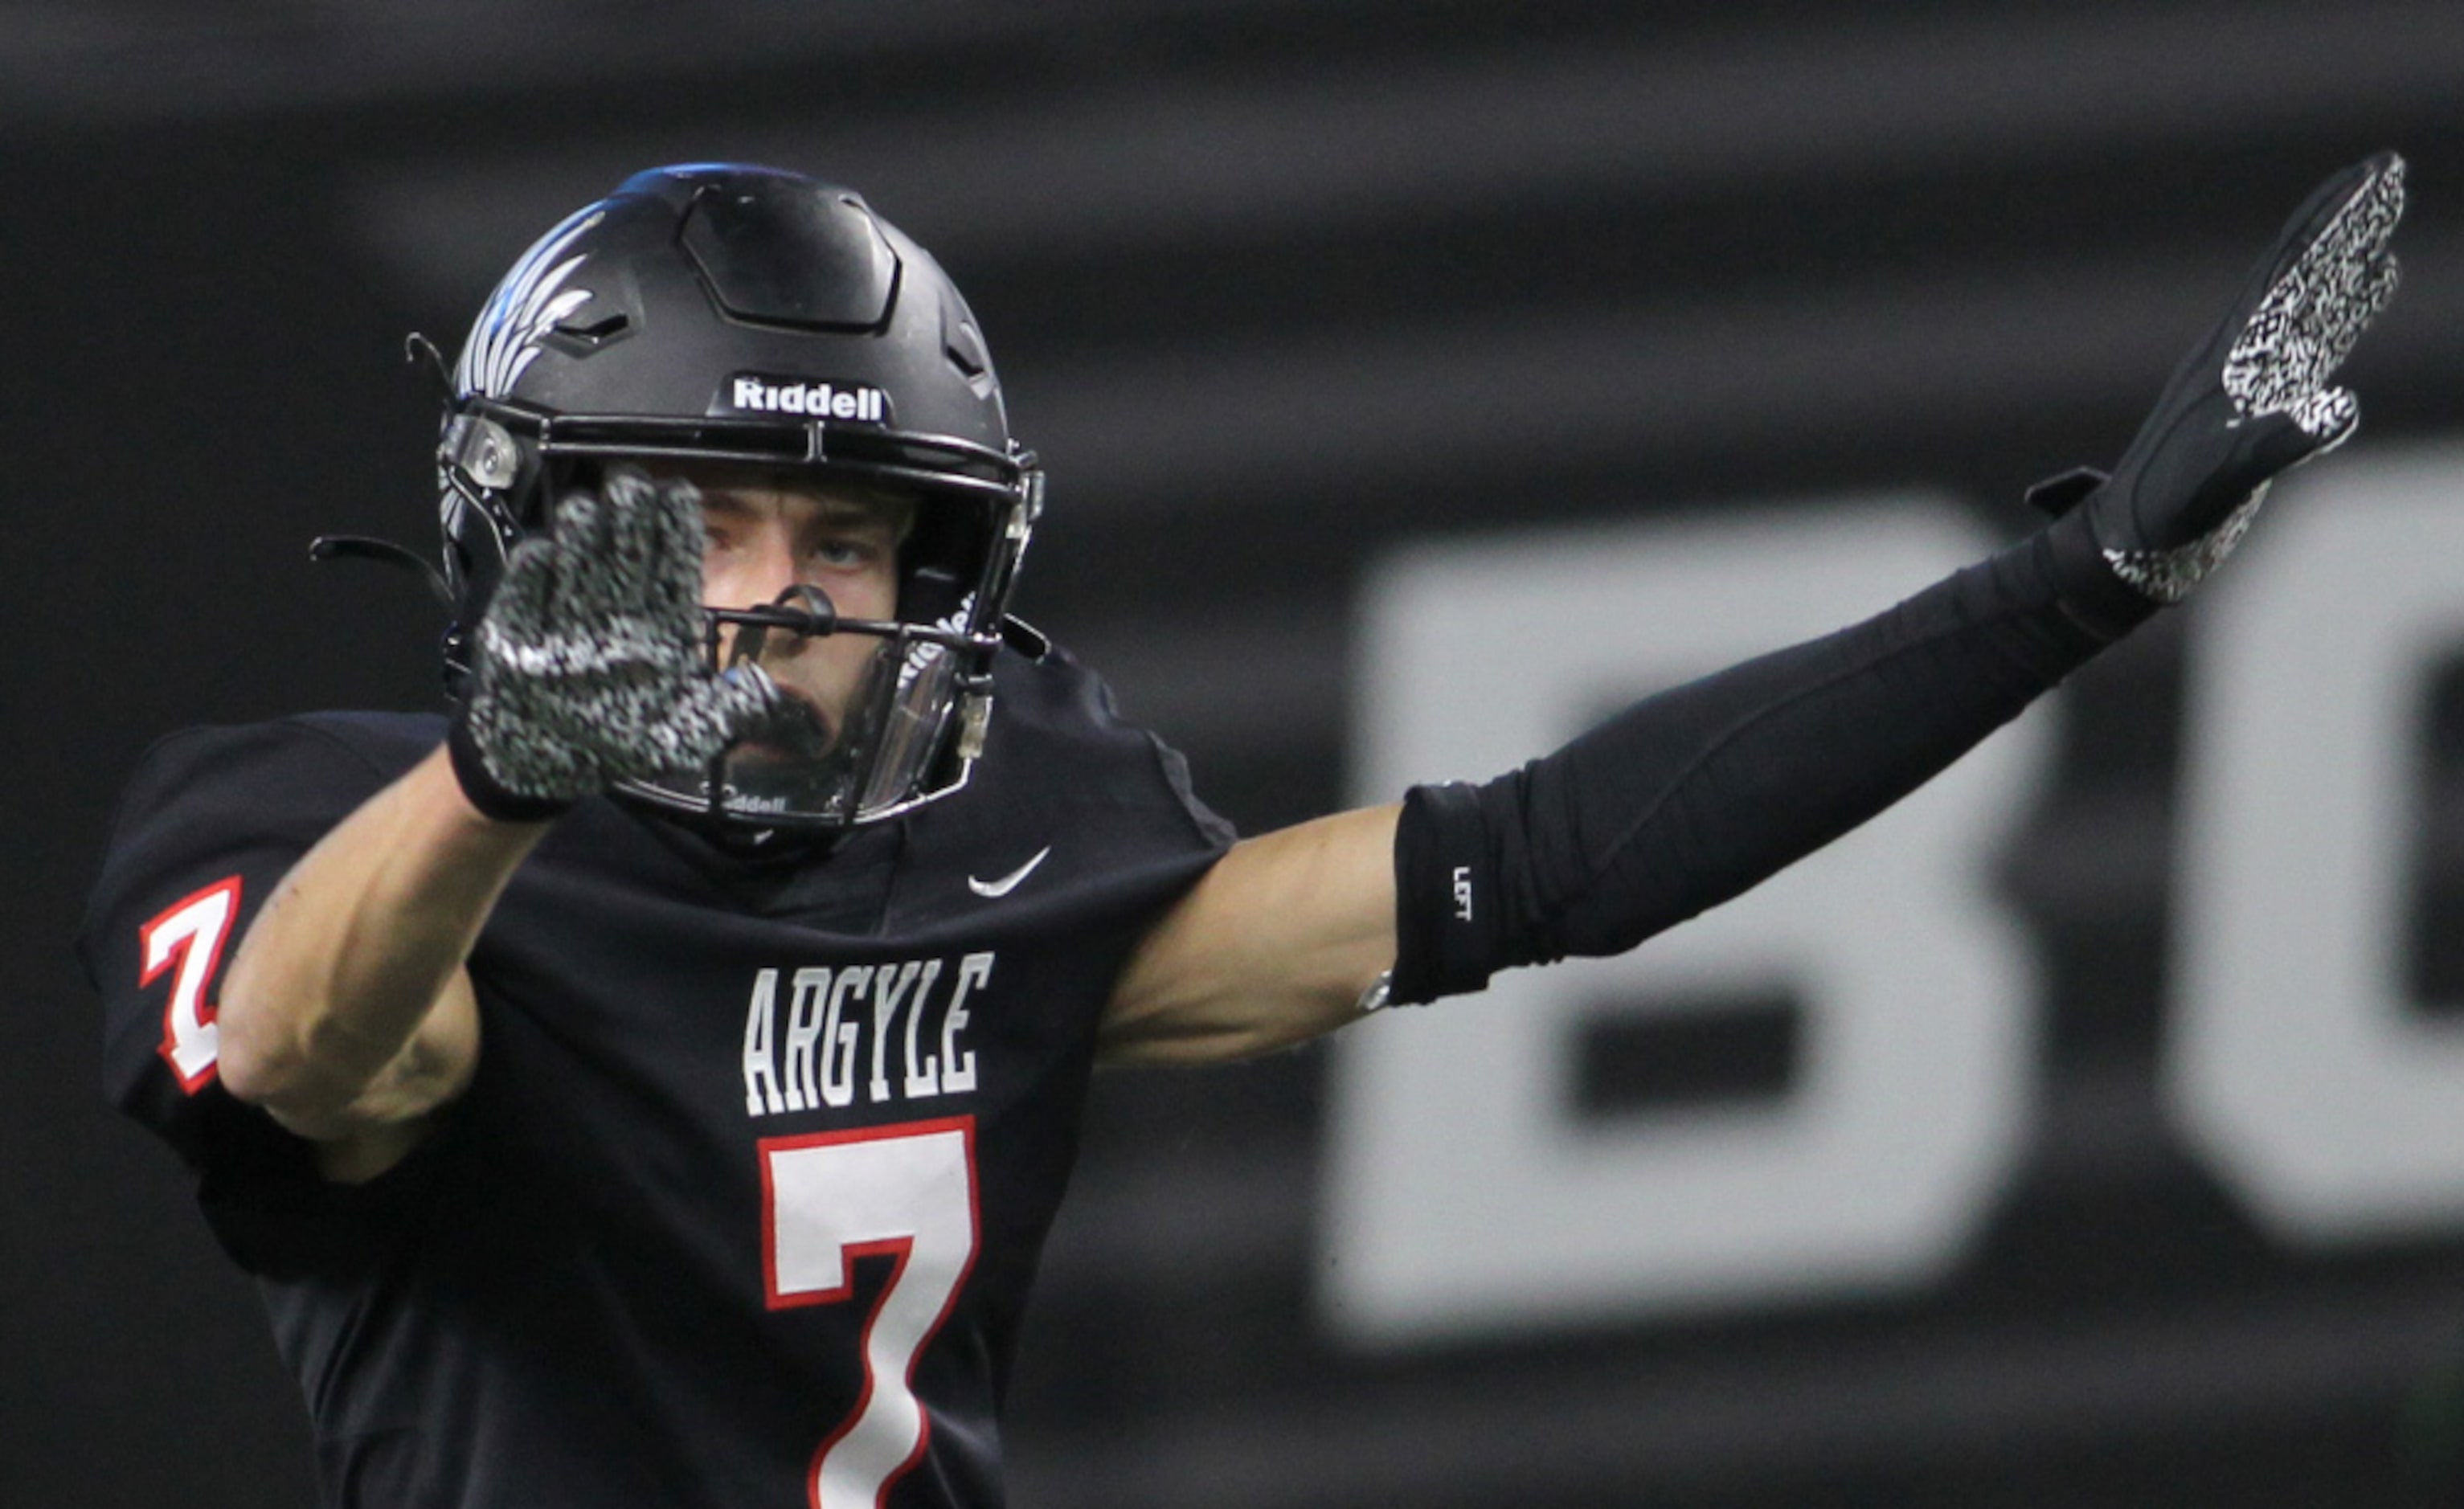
(798, 728)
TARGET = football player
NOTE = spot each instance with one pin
(653, 1082)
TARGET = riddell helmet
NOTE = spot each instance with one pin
(724, 314)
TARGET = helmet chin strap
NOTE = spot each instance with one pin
(421, 353)
(385, 552)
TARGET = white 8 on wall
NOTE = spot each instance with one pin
(1463, 1194)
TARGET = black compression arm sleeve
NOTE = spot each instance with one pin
(1692, 796)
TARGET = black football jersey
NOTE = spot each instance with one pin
(743, 1203)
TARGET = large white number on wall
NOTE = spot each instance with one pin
(2295, 1064)
(1462, 1194)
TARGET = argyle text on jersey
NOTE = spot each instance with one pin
(841, 1023)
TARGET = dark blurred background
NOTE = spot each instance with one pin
(1276, 286)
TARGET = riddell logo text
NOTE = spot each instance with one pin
(760, 395)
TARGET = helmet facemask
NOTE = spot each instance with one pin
(865, 757)
(861, 734)
(908, 724)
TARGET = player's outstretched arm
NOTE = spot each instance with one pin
(1695, 794)
(347, 1013)
(1275, 945)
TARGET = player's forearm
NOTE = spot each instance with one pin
(325, 1014)
(1697, 794)
(1272, 948)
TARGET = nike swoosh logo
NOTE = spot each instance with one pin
(1009, 882)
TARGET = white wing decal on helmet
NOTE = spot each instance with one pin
(525, 306)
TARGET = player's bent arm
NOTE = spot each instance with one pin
(346, 1012)
(1274, 946)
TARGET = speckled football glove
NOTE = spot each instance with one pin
(2253, 398)
(591, 664)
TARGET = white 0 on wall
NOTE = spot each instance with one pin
(2297, 1064)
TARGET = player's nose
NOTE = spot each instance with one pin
(763, 566)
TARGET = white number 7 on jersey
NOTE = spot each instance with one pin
(908, 1192)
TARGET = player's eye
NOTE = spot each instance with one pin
(855, 552)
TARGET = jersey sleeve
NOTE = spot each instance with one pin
(212, 821)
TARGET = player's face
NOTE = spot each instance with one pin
(763, 536)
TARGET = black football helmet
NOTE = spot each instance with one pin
(741, 316)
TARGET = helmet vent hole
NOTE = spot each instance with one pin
(960, 340)
(583, 338)
(598, 329)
